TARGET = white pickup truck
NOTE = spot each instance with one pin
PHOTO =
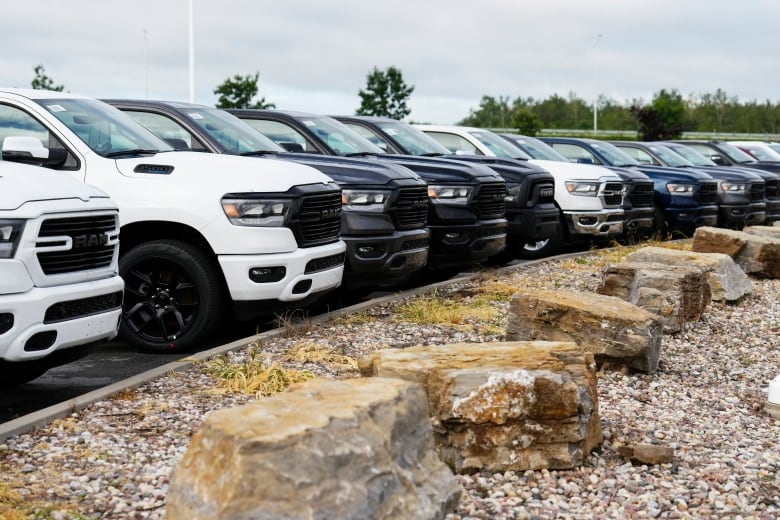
(204, 237)
(60, 290)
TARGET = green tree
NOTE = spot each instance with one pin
(43, 82)
(492, 113)
(663, 119)
(525, 121)
(385, 95)
(239, 91)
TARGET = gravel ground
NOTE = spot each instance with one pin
(114, 459)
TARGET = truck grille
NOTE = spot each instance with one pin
(64, 311)
(757, 192)
(411, 208)
(491, 201)
(772, 189)
(613, 194)
(91, 245)
(708, 193)
(319, 219)
(641, 195)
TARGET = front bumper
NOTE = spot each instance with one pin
(601, 223)
(466, 244)
(740, 215)
(382, 261)
(532, 225)
(687, 220)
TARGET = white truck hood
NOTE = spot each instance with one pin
(218, 173)
(20, 184)
(573, 171)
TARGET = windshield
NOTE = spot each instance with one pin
(103, 128)
(668, 156)
(339, 138)
(692, 155)
(613, 155)
(414, 141)
(761, 153)
(775, 147)
(236, 136)
(499, 146)
(539, 150)
(735, 154)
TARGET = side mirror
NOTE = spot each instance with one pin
(29, 150)
(584, 160)
(717, 159)
(292, 147)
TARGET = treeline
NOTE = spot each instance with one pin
(716, 112)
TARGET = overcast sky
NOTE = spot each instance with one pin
(315, 55)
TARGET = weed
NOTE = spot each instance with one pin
(294, 322)
(435, 309)
(311, 352)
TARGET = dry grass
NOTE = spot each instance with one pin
(11, 504)
(254, 375)
(310, 352)
(437, 310)
(294, 322)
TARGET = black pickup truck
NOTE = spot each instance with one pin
(530, 207)
(467, 202)
(384, 206)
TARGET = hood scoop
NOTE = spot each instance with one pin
(155, 169)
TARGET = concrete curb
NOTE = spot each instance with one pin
(44, 416)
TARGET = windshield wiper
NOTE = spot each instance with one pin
(134, 151)
(431, 154)
(257, 153)
(361, 154)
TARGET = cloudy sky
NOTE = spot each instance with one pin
(314, 55)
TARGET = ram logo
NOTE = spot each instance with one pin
(419, 204)
(330, 214)
(90, 240)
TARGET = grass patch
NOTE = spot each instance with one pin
(313, 353)
(437, 310)
(254, 375)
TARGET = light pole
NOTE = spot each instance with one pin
(192, 56)
(595, 84)
(146, 61)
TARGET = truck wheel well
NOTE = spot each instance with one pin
(133, 234)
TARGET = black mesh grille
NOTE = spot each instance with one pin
(708, 194)
(72, 309)
(613, 193)
(772, 189)
(415, 244)
(491, 201)
(89, 250)
(411, 208)
(641, 195)
(324, 263)
(319, 219)
(757, 192)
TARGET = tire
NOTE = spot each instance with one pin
(660, 225)
(173, 296)
(544, 248)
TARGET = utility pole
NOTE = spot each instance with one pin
(192, 56)
(595, 84)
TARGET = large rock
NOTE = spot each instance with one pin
(503, 406)
(678, 294)
(757, 255)
(353, 449)
(764, 231)
(612, 329)
(728, 282)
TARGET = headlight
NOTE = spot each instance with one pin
(680, 189)
(10, 232)
(364, 200)
(512, 192)
(449, 194)
(583, 188)
(256, 212)
(729, 187)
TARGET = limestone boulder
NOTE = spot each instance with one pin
(351, 449)
(503, 406)
(757, 255)
(678, 294)
(610, 328)
(727, 280)
(764, 231)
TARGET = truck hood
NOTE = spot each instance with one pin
(674, 174)
(570, 171)
(512, 170)
(349, 171)
(221, 173)
(433, 169)
(20, 184)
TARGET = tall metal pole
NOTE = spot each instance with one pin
(146, 61)
(192, 56)
(595, 84)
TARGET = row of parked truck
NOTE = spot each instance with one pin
(158, 220)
